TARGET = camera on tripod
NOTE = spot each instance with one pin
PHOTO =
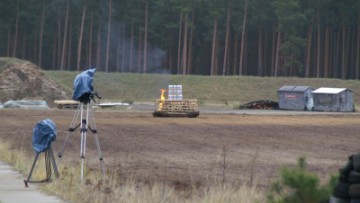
(84, 93)
(44, 133)
(83, 87)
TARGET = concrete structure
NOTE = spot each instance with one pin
(333, 99)
(295, 98)
(13, 190)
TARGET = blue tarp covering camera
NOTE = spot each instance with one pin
(83, 84)
(44, 133)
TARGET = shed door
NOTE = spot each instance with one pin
(343, 98)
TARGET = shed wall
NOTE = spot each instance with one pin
(342, 102)
(294, 100)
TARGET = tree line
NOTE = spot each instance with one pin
(303, 38)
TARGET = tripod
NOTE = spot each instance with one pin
(86, 123)
(49, 166)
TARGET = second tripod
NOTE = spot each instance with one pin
(87, 123)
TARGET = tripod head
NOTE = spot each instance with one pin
(87, 97)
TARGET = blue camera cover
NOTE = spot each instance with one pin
(83, 84)
(44, 133)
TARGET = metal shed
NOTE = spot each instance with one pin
(295, 98)
(333, 99)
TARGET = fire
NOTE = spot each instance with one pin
(162, 99)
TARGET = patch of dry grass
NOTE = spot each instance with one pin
(117, 188)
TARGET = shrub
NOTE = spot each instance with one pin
(297, 185)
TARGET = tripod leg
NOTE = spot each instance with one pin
(94, 131)
(52, 158)
(72, 128)
(64, 145)
(82, 154)
(47, 166)
(31, 171)
(84, 127)
(101, 158)
(51, 165)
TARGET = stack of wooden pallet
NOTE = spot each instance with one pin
(188, 107)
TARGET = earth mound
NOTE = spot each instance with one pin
(24, 80)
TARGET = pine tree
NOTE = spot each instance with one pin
(297, 185)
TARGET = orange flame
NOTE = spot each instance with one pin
(162, 99)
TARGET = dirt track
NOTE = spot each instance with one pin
(191, 150)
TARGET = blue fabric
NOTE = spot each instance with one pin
(83, 84)
(44, 133)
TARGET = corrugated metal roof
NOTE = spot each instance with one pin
(301, 88)
(294, 88)
(286, 88)
(328, 90)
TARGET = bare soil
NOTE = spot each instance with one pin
(211, 147)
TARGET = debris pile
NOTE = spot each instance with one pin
(260, 104)
(24, 80)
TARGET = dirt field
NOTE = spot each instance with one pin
(191, 150)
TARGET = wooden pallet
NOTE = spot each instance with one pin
(66, 104)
